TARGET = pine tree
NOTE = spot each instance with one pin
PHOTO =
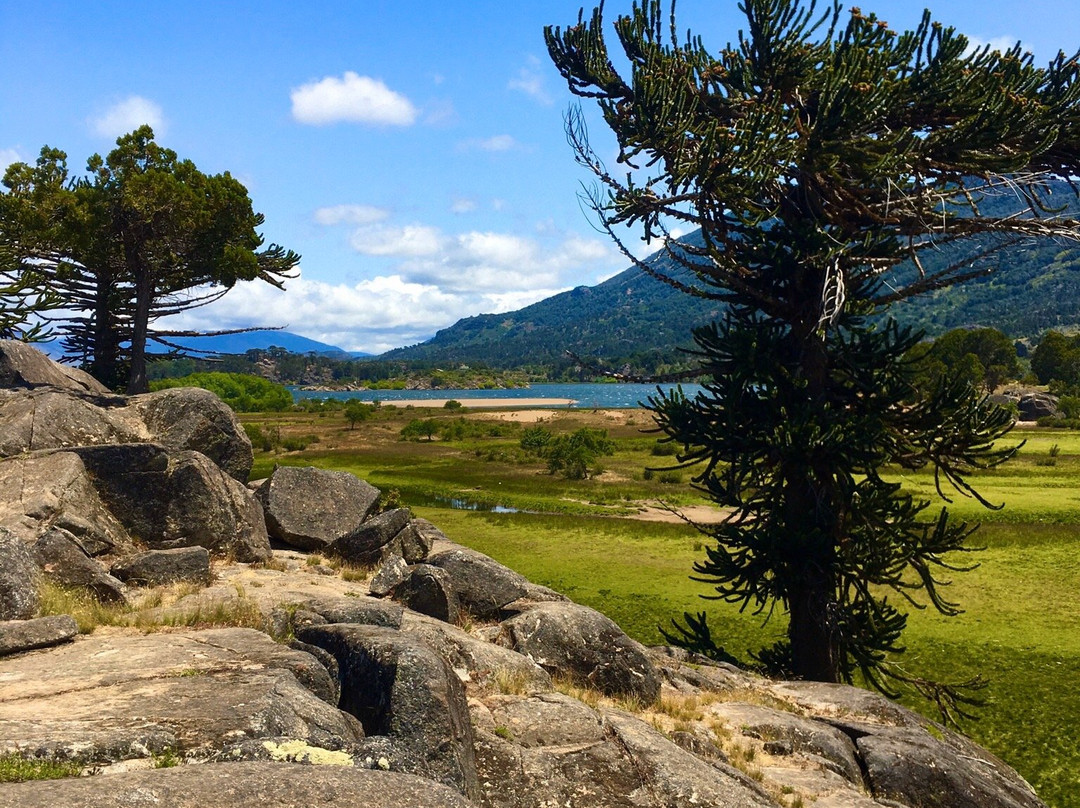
(141, 236)
(817, 156)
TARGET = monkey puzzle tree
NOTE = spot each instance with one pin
(142, 236)
(817, 156)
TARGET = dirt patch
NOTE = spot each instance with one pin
(522, 416)
(699, 514)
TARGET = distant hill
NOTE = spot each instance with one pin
(629, 319)
(263, 339)
(634, 320)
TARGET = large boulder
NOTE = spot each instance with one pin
(18, 579)
(157, 567)
(475, 660)
(236, 785)
(365, 544)
(189, 418)
(178, 499)
(103, 699)
(428, 590)
(911, 767)
(49, 418)
(576, 641)
(1035, 405)
(17, 636)
(398, 687)
(310, 508)
(674, 776)
(64, 561)
(361, 610)
(22, 365)
(46, 489)
(483, 585)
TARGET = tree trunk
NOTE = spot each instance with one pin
(811, 519)
(815, 646)
(144, 287)
(102, 336)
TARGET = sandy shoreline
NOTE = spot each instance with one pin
(476, 403)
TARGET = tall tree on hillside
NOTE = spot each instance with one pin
(142, 236)
(816, 155)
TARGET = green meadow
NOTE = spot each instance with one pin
(1021, 624)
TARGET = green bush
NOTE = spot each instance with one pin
(417, 428)
(575, 455)
(357, 411)
(535, 439)
(243, 393)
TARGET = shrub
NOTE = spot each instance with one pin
(575, 455)
(420, 428)
(453, 404)
(242, 392)
(357, 411)
(535, 439)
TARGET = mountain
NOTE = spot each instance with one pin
(263, 339)
(633, 319)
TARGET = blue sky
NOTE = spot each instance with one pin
(413, 152)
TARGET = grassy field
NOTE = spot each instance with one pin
(1020, 627)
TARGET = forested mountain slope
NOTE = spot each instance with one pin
(633, 319)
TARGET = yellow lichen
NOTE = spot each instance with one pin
(299, 752)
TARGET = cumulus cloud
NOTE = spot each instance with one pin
(410, 240)
(351, 98)
(429, 280)
(373, 315)
(530, 80)
(349, 214)
(484, 262)
(128, 115)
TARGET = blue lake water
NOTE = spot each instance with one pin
(587, 396)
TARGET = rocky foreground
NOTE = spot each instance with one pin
(436, 678)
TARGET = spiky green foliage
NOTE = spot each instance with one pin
(817, 156)
(141, 236)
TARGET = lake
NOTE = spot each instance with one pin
(588, 396)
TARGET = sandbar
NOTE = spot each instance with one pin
(474, 403)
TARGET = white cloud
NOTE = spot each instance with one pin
(351, 98)
(128, 115)
(408, 241)
(463, 205)
(481, 262)
(349, 214)
(430, 280)
(373, 315)
(530, 81)
(496, 143)
(998, 43)
(7, 157)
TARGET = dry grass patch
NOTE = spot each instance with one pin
(511, 682)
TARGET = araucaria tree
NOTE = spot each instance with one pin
(143, 235)
(823, 156)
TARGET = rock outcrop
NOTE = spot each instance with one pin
(310, 508)
(447, 680)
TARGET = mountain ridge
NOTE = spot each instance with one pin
(635, 321)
